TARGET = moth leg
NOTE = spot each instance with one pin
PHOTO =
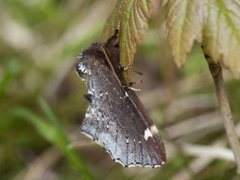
(134, 89)
(130, 68)
(88, 97)
(136, 82)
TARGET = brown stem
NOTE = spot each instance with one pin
(216, 72)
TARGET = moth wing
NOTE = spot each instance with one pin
(114, 122)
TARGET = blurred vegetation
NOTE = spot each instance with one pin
(42, 104)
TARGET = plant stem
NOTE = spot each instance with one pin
(216, 72)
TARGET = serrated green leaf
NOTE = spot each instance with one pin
(163, 3)
(132, 17)
(216, 24)
(184, 23)
(221, 38)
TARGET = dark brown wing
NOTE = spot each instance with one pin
(118, 125)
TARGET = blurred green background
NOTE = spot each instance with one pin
(42, 104)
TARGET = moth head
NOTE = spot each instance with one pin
(89, 60)
(84, 66)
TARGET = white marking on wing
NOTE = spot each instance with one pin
(154, 129)
(147, 134)
(127, 140)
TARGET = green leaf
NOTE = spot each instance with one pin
(132, 16)
(221, 38)
(52, 132)
(215, 24)
(184, 23)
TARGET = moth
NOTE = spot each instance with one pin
(115, 118)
